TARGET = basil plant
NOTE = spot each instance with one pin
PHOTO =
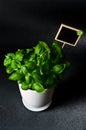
(38, 68)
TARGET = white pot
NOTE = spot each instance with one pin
(35, 101)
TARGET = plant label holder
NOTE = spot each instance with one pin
(68, 35)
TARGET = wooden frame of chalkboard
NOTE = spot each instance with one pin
(67, 35)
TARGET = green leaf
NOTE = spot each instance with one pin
(80, 33)
(46, 67)
(25, 86)
(39, 49)
(59, 68)
(23, 69)
(15, 76)
(28, 78)
(10, 55)
(32, 57)
(21, 80)
(50, 80)
(29, 50)
(57, 49)
(19, 55)
(9, 69)
(37, 77)
(14, 64)
(42, 48)
(38, 87)
(30, 65)
(7, 61)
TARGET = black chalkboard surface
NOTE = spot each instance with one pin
(67, 35)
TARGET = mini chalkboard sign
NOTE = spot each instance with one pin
(68, 35)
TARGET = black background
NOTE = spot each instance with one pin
(22, 24)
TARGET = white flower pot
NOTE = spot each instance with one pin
(35, 101)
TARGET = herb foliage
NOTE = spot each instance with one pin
(38, 68)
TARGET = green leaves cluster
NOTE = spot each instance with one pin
(37, 68)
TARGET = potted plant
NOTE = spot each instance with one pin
(37, 71)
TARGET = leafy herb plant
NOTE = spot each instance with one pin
(38, 68)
